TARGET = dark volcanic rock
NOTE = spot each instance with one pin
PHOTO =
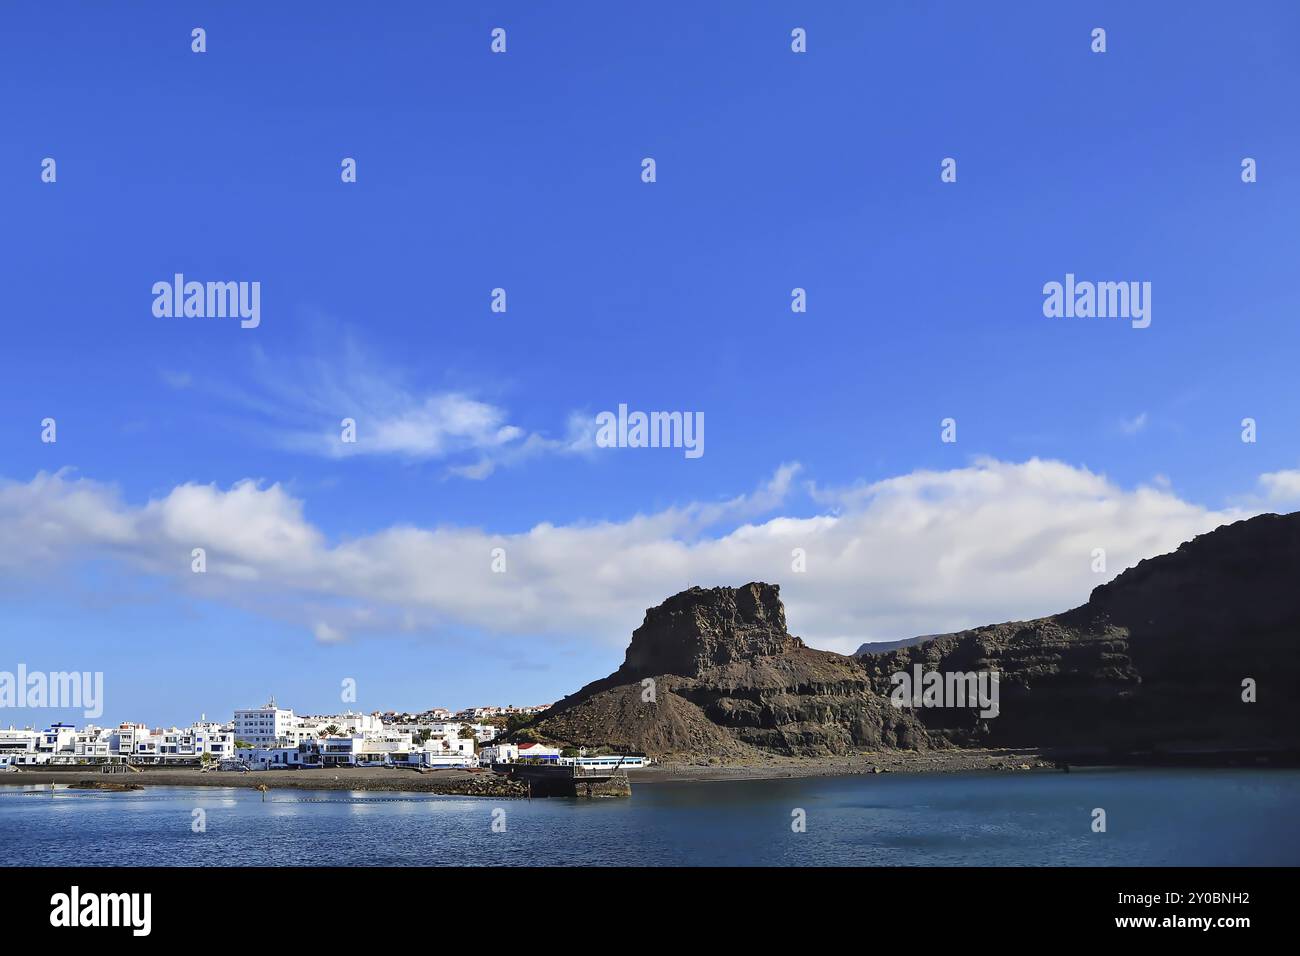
(727, 678)
(1154, 662)
(696, 630)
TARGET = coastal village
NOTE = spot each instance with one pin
(271, 737)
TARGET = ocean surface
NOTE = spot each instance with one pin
(1153, 817)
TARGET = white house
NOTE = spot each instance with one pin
(273, 758)
(498, 753)
(94, 743)
(18, 745)
(56, 742)
(512, 753)
(433, 753)
(354, 751)
(353, 724)
(538, 752)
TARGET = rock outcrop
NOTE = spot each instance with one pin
(1154, 662)
(714, 673)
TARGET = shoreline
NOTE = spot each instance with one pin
(448, 782)
(485, 783)
(960, 760)
(1019, 760)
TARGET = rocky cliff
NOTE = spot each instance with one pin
(715, 673)
(1153, 662)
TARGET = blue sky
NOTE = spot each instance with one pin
(775, 170)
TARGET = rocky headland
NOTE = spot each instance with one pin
(1151, 669)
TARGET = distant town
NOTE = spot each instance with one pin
(271, 737)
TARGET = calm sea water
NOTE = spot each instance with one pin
(1154, 817)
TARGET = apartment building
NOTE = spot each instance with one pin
(267, 726)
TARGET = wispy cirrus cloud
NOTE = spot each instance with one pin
(301, 405)
(1131, 426)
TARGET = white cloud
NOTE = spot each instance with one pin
(327, 633)
(1131, 426)
(432, 428)
(921, 553)
(301, 404)
(1281, 486)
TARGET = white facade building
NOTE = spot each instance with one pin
(126, 743)
(93, 743)
(498, 753)
(190, 743)
(14, 742)
(267, 726)
(354, 724)
(538, 752)
(56, 741)
(274, 758)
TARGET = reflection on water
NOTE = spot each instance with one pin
(1154, 817)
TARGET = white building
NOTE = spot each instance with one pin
(354, 724)
(483, 733)
(498, 753)
(15, 742)
(188, 744)
(28, 748)
(267, 726)
(607, 761)
(512, 753)
(369, 750)
(94, 743)
(391, 748)
(128, 743)
(538, 752)
(128, 739)
(275, 758)
(56, 742)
